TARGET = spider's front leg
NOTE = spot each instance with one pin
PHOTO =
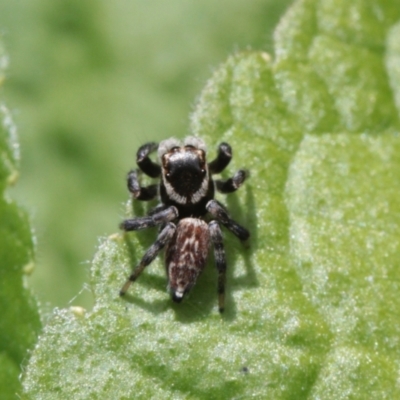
(231, 184)
(220, 261)
(224, 157)
(144, 193)
(143, 161)
(163, 238)
(219, 213)
(147, 166)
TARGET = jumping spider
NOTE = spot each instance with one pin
(188, 216)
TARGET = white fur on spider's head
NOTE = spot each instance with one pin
(166, 145)
(195, 142)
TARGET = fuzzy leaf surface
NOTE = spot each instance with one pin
(311, 307)
(19, 322)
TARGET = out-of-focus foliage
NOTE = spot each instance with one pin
(90, 81)
(312, 311)
(19, 320)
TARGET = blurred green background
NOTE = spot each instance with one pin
(88, 82)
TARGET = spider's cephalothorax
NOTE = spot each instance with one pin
(186, 183)
(188, 216)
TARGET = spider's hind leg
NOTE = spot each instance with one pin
(220, 214)
(163, 238)
(220, 261)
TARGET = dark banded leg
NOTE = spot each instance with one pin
(161, 217)
(140, 193)
(163, 238)
(143, 161)
(219, 213)
(220, 261)
(231, 184)
(157, 209)
(223, 158)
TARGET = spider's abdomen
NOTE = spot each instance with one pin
(186, 255)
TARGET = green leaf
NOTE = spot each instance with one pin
(345, 240)
(19, 322)
(311, 308)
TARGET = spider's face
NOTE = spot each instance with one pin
(185, 169)
(185, 172)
